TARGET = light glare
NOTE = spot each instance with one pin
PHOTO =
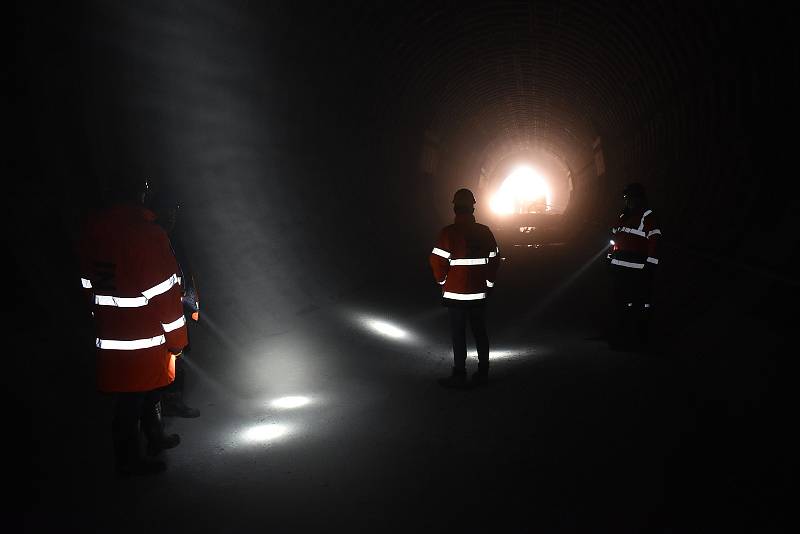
(387, 329)
(521, 192)
(264, 433)
(501, 354)
(287, 403)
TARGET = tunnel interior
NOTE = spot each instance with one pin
(316, 149)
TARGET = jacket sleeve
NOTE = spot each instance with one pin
(160, 277)
(191, 298)
(494, 261)
(440, 258)
(652, 230)
(615, 226)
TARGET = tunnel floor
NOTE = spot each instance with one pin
(568, 436)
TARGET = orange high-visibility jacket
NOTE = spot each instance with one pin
(635, 239)
(130, 275)
(465, 261)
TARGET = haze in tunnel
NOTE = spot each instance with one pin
(316, 148)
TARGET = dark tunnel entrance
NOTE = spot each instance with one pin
(317, 148)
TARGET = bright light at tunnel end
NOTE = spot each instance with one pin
(521, 189)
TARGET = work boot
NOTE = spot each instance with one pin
(481, 376)
(128, 458)
(457, 379)
(153, 427)
(165, 441)
(173, 406)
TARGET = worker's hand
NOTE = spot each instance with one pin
(176, 352)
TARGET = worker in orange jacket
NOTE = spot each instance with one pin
(634, 258)
(130, 277)
(464, 262)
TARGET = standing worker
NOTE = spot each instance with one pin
(130, 277)
(464, 262)
(164, 203)
(634, 257)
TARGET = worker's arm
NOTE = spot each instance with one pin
(191, 300)
(652, 231)
(494, 262)
(160, 278)
(439, 258)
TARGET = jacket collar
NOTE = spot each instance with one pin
(136, 211)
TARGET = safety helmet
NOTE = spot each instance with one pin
(464, 197)
(634, 189)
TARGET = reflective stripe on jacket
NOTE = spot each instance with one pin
(130, 276)
(635, 237)
(464, 261)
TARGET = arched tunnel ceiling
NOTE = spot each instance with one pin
(558, 73)
(670, 88)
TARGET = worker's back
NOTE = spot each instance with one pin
(130, 276)
(465, 261)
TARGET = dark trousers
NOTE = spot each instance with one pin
(633, 306)
(458, 330)
(132, 412)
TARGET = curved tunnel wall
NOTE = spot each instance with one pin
(685, 98)
(297, 134)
